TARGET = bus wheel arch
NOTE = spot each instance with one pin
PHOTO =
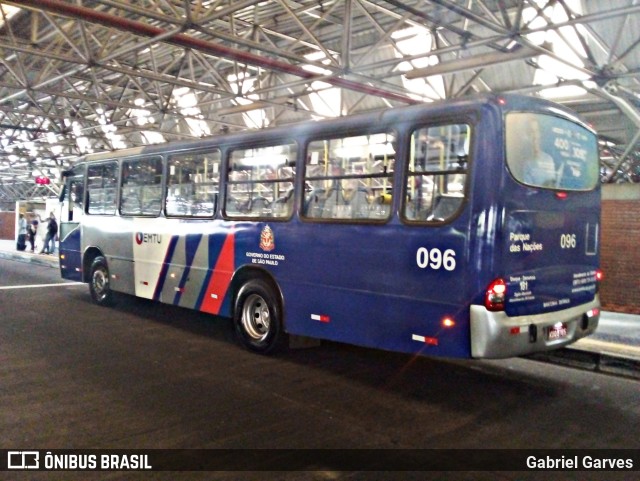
(258, 311)
(87, 259)
(96, 273)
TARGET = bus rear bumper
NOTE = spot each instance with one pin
(495, 335)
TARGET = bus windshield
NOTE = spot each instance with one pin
(551, 152)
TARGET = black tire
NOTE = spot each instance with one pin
(257, 318)
(99, 285)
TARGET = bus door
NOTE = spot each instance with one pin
(72, 207)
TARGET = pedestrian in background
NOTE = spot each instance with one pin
(50, 239)
(21, 243)
(32, 231)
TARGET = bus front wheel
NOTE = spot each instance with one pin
(258, 318)
(99, 286)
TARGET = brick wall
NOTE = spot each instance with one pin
(620, 248)
(7, 225)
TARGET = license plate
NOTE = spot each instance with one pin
(557, 331)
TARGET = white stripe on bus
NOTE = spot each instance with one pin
(32, 286)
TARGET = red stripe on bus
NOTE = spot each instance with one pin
(221, 277)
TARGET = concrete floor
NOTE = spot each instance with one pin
(147, 376)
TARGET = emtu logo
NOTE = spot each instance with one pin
(144, 238)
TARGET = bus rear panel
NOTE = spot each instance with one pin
(547, 265)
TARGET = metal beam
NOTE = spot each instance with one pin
(472, 62)
(185, 41)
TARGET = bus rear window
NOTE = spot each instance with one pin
(551, 152)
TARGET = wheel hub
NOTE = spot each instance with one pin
(256, 317)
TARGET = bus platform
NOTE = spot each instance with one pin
(613, 349)
(8, 251)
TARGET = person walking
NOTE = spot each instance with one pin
(50, 239)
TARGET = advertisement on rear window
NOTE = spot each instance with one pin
(551, 152)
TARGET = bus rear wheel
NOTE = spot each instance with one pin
(258, 318)
(99, 286)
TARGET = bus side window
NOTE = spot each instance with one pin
(102, 180)
(350, 178)
(141, 186)
(260, 182)
(437, 173)
(193, 184)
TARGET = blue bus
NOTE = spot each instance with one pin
(465, 228)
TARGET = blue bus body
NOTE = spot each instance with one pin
(394, 284)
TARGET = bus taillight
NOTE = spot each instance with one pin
(599, 278)
(496, 295)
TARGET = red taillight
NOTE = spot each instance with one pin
(496, 295)
(599, 278)
(599, 275)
